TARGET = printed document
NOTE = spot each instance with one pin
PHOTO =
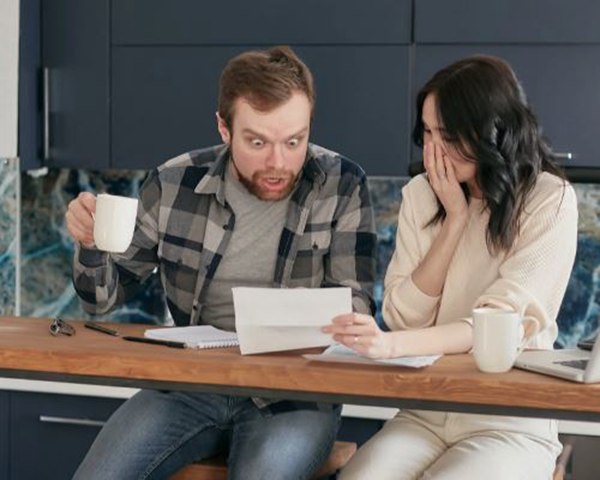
(274, 319)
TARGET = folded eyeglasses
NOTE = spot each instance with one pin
(59, 326)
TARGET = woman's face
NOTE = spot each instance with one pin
(464, 168)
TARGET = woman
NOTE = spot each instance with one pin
(492, 222)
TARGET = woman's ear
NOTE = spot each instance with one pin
(223, 130)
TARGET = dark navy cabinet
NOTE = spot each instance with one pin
(50, 434)
(266, 22)
(167, 57)
(363, 104)
(561, 82)
(30, 81)
(131, 83)
(508, 21)
(75, 89)
(164, 100)
(4, 433)
(46, 436)
(554, 47)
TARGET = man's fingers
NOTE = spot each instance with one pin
(79, 213)
(80, 234)
(88, 201)
(79, 218)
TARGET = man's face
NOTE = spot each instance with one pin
(269, 148)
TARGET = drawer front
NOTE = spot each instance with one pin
(50, 434)
(193, 22)
(507, 21)
(4, 433)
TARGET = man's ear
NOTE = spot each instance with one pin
(223, 130)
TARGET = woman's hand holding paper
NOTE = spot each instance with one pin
(361, 333)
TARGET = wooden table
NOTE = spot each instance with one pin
(27, 350)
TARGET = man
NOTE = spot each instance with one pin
(265, 209)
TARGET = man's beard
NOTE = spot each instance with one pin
(256, 187)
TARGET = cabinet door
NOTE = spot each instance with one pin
(50, 434)
(75, 58)
(507, 21)
(30, 64)
(4, 434)
(240, 22)
(561, 83)
(164, 101)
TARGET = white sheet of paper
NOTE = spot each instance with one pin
(341, 353)
(274, 319)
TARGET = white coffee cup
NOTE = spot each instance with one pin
(114, 222)
(498, 338)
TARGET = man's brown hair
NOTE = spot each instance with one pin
(265, 78)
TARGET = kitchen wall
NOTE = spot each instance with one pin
(46, 249)
(9, 68)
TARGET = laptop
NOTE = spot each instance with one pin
(576, 365)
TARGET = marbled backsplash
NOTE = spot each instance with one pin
(47, 248)
(8, 235)
(46, 251)
(579, 313)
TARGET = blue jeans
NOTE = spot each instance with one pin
(155, 433)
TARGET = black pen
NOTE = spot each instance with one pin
(166, 343)
(100, 328)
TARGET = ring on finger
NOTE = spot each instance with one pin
(355, 341)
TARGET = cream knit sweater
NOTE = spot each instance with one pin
(531, 278)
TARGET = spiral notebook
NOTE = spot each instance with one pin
(195, 336)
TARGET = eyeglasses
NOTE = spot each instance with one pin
(59, 326)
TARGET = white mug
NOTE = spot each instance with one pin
(498, 338)
(114, 222)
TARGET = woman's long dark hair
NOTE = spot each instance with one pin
(483, 110)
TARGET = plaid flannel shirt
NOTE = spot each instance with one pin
(184, 225)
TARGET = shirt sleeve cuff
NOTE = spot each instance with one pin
(91, 257)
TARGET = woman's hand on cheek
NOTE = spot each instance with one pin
(442, 178)
(361, 333)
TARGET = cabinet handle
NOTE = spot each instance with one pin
(46, 119)
(71, 421)
(564, 155)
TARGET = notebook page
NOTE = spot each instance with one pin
(195, 336)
